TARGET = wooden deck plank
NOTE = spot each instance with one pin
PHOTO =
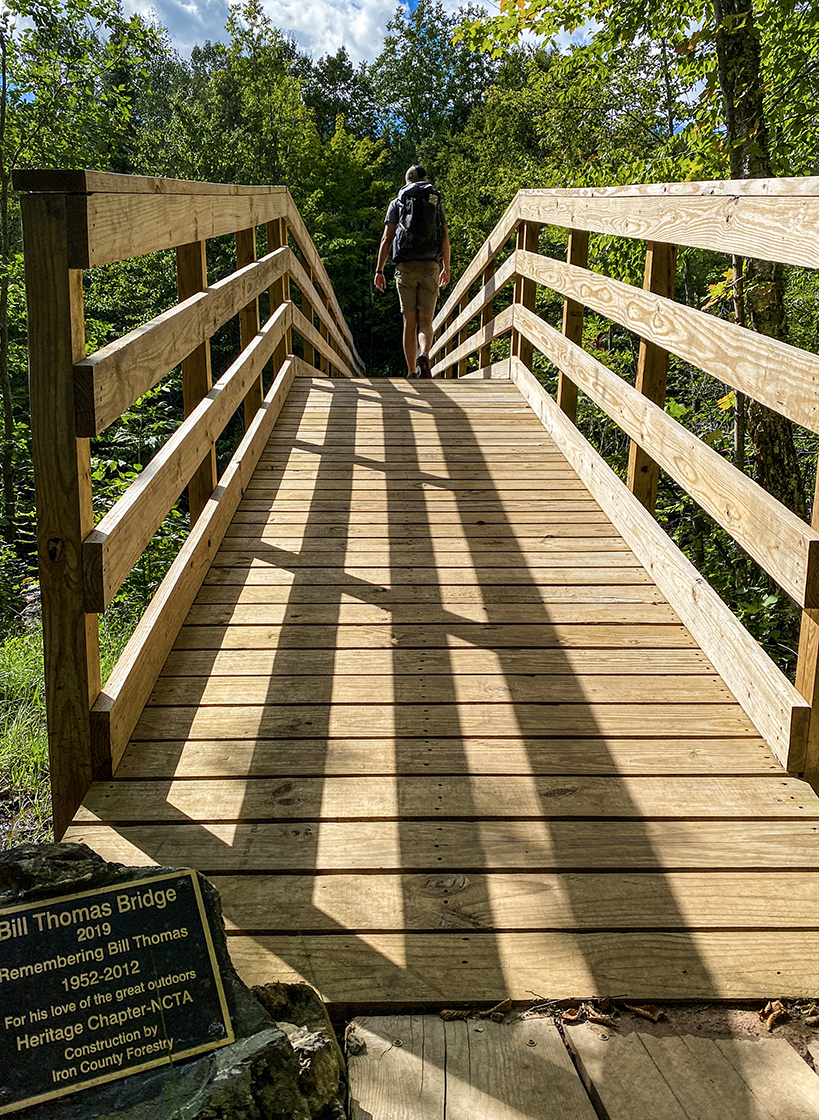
(730, 1078)
(357, 720)
(445, 968)
(439, 739)
(430, 688)
(427, 614)
(622, 1077)
(535, 663)
(398, 1082)
(431, 593)
(436, 578)
(477, 797)
(495, 567)
(459, 846)
(551, 635)
(511, 1071)
(536, 901)
(212, 758)
(541, 524)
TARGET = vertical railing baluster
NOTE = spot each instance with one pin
(652, 370)
(487, 315)
(525, 290)
(197, 381)
(249, 320)
(577, 253)
(276, 238)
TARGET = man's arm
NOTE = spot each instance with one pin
(379, 279)
(446, 252)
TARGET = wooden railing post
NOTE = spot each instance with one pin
(463, 365)
(307, 311)
(454, 342)
(652, 370)
(577, 253)
(65, 515)
(276, 238)
(487, 315)
(249, 320)
(197, 381)
(807, 670)
(525, 290)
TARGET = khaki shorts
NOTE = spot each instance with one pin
(417, 284)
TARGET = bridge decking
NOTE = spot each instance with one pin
(434, 734)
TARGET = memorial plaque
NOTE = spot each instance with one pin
(104, 984)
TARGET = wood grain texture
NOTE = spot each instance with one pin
(111, 379)
(744, 359)
(784, 545)
(398, 1082)
(232, 758)
(88, 182)
(197, 380)
(772, 702)
(115, 227)
(652, 370)
(787, 231)
(462, 846)
(492, 637)
(436, 969)
(692, 1077)
(249, 320)
(502, 901)
(502, 688)
(482, 797)
(113, 547)
(62, 471)
(117, 710)
(420, 1068)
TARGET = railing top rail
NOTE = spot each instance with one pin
(53, 181)
(802, 186)
(726, 216)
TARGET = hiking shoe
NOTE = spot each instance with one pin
(422, 369)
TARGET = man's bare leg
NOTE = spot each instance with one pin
(424, 333)
(411, 340)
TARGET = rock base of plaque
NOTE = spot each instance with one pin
(281, 1066)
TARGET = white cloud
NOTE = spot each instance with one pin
(319, 26)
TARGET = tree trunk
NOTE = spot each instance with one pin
(776, 465)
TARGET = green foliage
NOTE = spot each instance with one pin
(25, 799)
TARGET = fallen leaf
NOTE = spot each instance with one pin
(571, 1015)
(773, 1013)
(452, 1016)
(646, 1011)
(605, 1020)
(499, 1009)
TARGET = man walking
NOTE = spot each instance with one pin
(415, 230)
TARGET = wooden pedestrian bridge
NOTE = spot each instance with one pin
(428, 693)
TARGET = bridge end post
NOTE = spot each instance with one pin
(65, 515)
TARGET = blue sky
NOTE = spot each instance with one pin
(320, 26)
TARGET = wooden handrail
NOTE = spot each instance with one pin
(771, 219)
(75, 220)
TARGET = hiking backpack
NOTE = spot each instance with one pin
(419, 235)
